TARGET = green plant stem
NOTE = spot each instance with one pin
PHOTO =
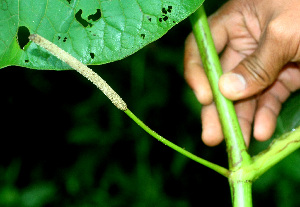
(238, 156)
(217, 168)
(236, 148)
(241, 193)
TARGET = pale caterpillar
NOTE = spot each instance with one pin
(81, 68)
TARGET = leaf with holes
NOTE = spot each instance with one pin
(93, 31)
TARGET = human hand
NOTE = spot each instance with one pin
(260, 45)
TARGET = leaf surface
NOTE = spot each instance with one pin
(289, 117)
(93, 31)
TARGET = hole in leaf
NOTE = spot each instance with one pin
(160, 19)
(80, 20)
(58, 37)
(149, 18)
(95, 16)
(165, 18)
(169, 9)
(143, 36)
(164, 11)
(26, 61)
(69, 1)
(92, 55)
(23, 33)
(65, 39)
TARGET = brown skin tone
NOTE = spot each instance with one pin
(260, 45)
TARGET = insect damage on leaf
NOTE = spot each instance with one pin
(92, 55)
(111, 29)
(23, 33)
(92, 17)
(81, 20)
(165, 11)
(95, 16)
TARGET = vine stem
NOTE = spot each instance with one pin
(116, 99)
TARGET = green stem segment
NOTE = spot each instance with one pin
(241, 193)
(238, 156)
(217, 168)
(236, 148)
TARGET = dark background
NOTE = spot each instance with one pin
(64, 144)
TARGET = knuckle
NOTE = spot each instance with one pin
(285, 36)
(280, 31)
(257, 71)
(276, 30)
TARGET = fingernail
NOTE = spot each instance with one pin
(233, 83)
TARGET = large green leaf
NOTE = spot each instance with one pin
(94, 31)
(289, 117)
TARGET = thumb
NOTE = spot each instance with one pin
(256, 72)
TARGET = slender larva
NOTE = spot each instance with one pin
(81, 68)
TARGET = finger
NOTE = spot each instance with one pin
(245, 110)
(259, 70)
(194, 73)
(271, 101)
(269, 105)
(218, 31)
(290, 76)
(211, 128)
(230, 59)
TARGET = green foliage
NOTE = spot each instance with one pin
(289, 117)
(95, 32)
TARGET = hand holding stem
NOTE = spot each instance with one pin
(260, 58)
